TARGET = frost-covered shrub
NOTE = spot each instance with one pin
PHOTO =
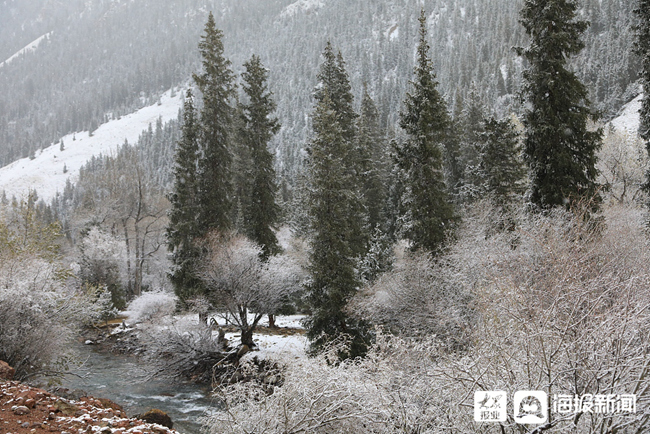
(239, 282)
(151, 306)
(390, 390)
(40, 305)
(563, 311)
(622, 166)
(419, 296)
(182, 349)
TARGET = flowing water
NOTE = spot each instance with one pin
(124, 379)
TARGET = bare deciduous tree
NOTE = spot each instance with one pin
(622, 164)
(127, 203)
(240, 283)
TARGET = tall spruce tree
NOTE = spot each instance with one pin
(373, 167)
(642, 49)
(216, 84)
(338, 226)
(261, 211)
(334, 85)
(429, 214)
(183, 229)
(333, 259)
(559, 149)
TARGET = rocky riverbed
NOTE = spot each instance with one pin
(26, 409)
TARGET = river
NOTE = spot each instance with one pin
(124, 380)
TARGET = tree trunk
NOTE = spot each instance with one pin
(137, 272)
(129, 285)
(272, 322)
(203, 318)
(247, 337)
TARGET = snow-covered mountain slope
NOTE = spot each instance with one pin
(30, 47)
(45, 173)
(628, 120)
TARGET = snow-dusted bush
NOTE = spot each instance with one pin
(390, 390)
(40, 305)
(561, 306)
(151, 306)
(622, 166)
(181, 349)
(564, 310)
(419, 296)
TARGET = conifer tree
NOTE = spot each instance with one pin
(642, 49)
(333, 260)
(202, 197)
(334, 85)
(261, 212)
(499, 172)
(429, 214)
(216, 84)
(453, 161)
(371, 150)
(471, 123)
(241, 169)
(334, 82)
(183, 229)
(559, 149)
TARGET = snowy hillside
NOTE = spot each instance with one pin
(30, 47)
(45, 173)
(628, 120)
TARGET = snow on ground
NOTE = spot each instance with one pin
(45, 172)
(277, 347)
(280, 348)
(628, 120)
(29, 47)
(288, 321)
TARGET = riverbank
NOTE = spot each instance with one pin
(114, 366)
(25, 409)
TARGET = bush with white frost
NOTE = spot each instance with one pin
(420, 296)
(101, 263)
(622, 166)
(41, 306)
(181, 349)
(151, 306)
(387, 391)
